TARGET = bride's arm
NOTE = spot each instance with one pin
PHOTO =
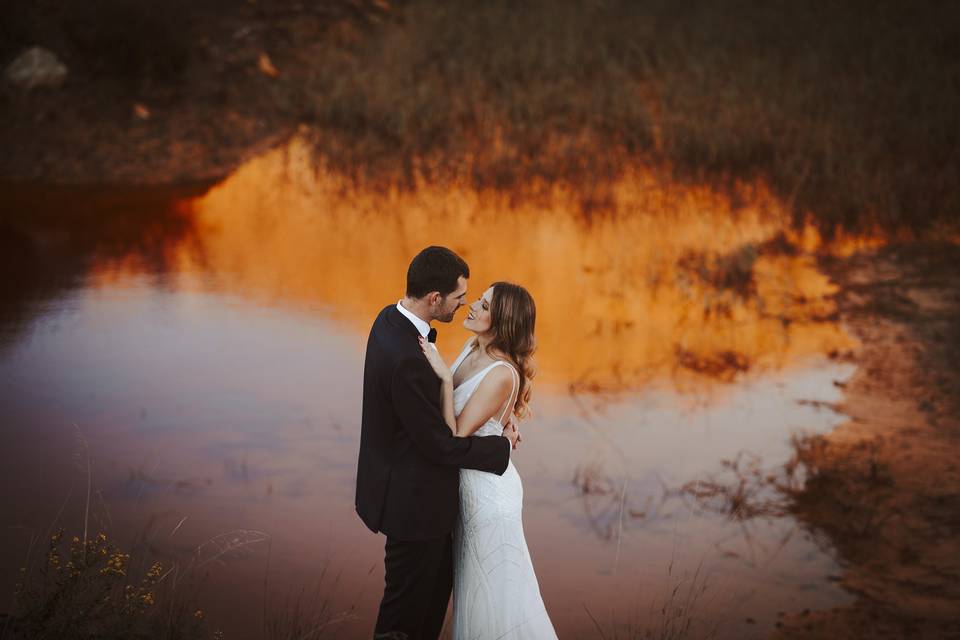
(489, 400)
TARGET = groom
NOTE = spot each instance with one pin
(408, 472)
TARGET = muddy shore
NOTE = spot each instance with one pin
(884, 488)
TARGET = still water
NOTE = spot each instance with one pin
(200, 352)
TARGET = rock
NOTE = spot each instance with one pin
(36, 67)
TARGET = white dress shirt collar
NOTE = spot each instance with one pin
(422, 327)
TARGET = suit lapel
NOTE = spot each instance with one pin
(397, 319)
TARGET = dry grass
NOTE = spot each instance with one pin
(672, 617)
(94, 590)
(308, 615)
(850, 110)
(87, 587)
(85, 590)
(820, 475)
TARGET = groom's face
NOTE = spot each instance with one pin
(448, 305)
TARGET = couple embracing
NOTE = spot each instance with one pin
(434, 473)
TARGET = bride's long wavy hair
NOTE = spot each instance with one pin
(513, 318)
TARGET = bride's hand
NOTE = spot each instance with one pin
(433, 357)
(514, 425)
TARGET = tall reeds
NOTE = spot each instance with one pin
(850, 110)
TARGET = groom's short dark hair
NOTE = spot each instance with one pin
(435, 269)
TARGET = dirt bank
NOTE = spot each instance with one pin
(182, 92)
(884, 489)
(848, 114)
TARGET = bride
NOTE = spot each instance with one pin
(495, 590)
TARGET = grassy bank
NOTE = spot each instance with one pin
(846, 109)
(849, 110)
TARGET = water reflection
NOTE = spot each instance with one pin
(670, 281)
(50, 238)
(209, 351)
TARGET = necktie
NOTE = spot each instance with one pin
(432, 336)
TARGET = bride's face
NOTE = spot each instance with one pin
(479, 320)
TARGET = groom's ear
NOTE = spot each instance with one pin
(434, 297)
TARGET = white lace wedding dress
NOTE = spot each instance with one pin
(495, 591)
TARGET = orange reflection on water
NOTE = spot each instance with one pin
(669, 280)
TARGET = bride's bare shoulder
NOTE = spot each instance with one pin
(498, 381)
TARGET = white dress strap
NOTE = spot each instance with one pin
(514, 381)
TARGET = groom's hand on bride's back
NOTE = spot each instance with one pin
(512, 433)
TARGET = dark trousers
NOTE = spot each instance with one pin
(419, 578)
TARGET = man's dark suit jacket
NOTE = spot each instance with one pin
(408, 474)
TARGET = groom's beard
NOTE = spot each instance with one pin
(448, 317)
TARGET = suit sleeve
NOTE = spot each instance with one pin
(412, 386)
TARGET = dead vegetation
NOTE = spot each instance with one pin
(849, 110)
(881, 491)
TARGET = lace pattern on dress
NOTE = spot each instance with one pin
(495, 591)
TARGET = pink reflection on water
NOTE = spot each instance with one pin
(216, 381)
(230, 415)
